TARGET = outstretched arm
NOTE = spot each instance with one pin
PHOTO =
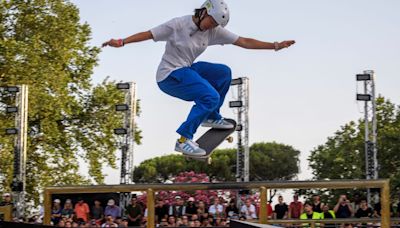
(250, 43)
(142, 36)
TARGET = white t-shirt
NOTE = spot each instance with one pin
(185, 43)
(249, 212)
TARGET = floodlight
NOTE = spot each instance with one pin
(364, 77)
(11, 131)
(120, 131)
(237, 81)
(12, 89)
(239, 127)
(121, 107)
(123, 85)
(363, 97)
(11, 109)
(235, 104)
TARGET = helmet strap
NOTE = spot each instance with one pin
(200, 14)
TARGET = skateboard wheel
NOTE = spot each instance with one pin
(229, 139)
(209, 160)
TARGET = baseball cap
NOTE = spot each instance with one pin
(6, 194)
(111, 202)
(57, 201)
(191, 199)
(178, 197)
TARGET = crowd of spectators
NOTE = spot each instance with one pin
(186, 211)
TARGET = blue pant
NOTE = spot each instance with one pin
(204, 83)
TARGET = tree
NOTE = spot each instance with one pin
(43, 45)
(343, 157)
(268, 161)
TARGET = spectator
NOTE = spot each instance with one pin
(317, 204)
(197, 223)
(231, 210)
(328, 214)
(7, 200)
(82, 210)
(216, 210)
(134, 212)
(124, 223)
(67, 211)
(202, 211)
(343, 208)
(171, 221)
(309, 214)
(177, 210)
(56, 212)
(281, 209)
(191, 208)
(109, 222)
(185, 220)
(248, 210)
(161, 210)
(97, 212)
(364, 211)
(112, 209)
(295, 207)
(356, 201)
(269, 210)
(164, 222)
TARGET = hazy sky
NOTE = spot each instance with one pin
(299, 96)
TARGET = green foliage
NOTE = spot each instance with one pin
(44, 45)
(268, 161)
(343, 157)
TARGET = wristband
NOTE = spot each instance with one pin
(276, 44)
(121, 42)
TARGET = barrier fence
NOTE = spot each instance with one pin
(382, 184)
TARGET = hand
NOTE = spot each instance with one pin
(285, 44)
(113, 43)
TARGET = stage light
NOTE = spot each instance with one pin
(12, 89)
(11, 131)
(123, 85)
(11, 109)
(363, 97)
(120, 131)
(364, 77)
(237, 81)
(121, 107)
(235, 104)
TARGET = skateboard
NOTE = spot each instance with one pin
(210, 140)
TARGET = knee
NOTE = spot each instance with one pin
(225, 72)
(210, 101)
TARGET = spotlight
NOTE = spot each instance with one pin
(11, 131)
(237, 81)
(235, 104)
(364, 77)
(121, 107)
(11, 109)
(123, 85)
(363, 97)
(120, 131)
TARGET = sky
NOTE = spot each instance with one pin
(298, 96)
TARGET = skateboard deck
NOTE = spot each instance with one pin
(210, 140)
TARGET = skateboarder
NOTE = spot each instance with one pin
(202, 82)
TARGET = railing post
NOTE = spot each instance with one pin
(263, 205)
(150, 209)
(47, 207)
(312, 224)
(385, 202)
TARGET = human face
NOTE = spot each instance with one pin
(208, 23)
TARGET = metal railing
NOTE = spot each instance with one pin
(382, 184)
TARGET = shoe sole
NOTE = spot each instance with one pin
(191, 154)
(217, 127)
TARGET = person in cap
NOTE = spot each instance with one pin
(7, 200)
(67, 211)
(191, 207)
(203, 83)
(112, 210)
(178, 209)
(56, 211)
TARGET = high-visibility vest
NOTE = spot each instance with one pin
(330, 212)
(315, 215)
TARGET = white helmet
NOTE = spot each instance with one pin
(218, 9)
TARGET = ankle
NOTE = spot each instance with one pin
(182, 139)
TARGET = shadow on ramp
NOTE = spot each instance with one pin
(243, 224)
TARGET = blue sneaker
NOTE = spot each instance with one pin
(189, 148)
(218, 124)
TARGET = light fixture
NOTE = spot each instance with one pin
(364, 77)
(121, 107)
(11, 131)
(120, 131)
(363, 97)
(235, 104)
(123, 85)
